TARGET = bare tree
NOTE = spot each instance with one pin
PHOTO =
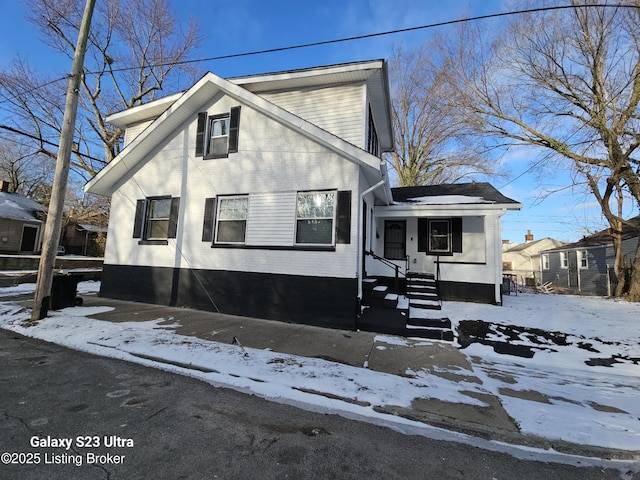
(29, 175)
(430, 147)
(568, 83)
(136, 49)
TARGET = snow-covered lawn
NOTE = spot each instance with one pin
(588, 402)
(558, 393)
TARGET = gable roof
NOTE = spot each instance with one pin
(603, 237)
(521, 247)
(453, 193)
(17, 207)
(188, 104)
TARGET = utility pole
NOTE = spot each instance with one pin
(42, 297)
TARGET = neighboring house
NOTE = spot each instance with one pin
(586, 266)
(21, 222)
(523, 260)
(261, 196)
(86, 234)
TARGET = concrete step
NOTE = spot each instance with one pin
(423, 295)
(369, 283)
(390, 300)
(429, 323)
(426, 304)
(420, 275)
(431, 333)
(379, 291)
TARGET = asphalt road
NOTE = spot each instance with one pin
(67, 415)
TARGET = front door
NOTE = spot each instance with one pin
(395, 239)
(573, 269)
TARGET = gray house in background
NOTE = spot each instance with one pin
(586, 267)
(21, 222)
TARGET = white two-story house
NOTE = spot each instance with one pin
(265, 195)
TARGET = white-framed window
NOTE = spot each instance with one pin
(545, 261)
(315, 218)
(440, 235)
(218, 142)
(231, 219)
(217, 135)
(564, 260)
(158, 218)
(583, 256)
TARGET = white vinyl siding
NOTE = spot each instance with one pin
(274, 163)
(337, 110)
(271, 219)
(133, 131)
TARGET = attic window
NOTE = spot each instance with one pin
(217, 135)
(218, 143)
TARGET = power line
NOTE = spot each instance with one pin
(372, 35)
(39, 139)
(347, 39)
(316, 44)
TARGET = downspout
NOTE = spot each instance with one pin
(361, 235)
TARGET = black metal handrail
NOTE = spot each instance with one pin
(438, 278)
(390, 264)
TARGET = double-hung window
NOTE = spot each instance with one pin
(545, 261)
(231, 220)
(564, 260)
(156, 219)
(584, 259)
(218, 143)
(440, 236)
(315, 217)
(217, 135)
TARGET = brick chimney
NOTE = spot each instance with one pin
(528, 237)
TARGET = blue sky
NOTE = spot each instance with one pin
(252, 25)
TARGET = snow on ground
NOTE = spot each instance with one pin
(581, 403)
(554, 394)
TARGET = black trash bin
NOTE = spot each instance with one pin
(64, 289)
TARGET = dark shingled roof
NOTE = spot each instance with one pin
(475, 189)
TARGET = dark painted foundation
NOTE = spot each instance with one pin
(449, 291)
(321, 301)
(467, 292)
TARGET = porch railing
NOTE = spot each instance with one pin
(438, 278)
(394, 266)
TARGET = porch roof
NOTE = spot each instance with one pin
(453, 193)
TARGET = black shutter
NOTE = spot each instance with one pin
(202, 126)
(173, 218)
(343, 217)
(208, 223)
(139, 219)
(234, 128)
(456, 235)
(423, 234)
